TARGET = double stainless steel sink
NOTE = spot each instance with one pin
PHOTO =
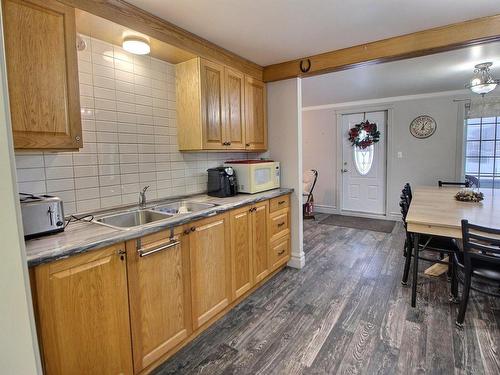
(138, 217)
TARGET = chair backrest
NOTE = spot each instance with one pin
(480, 243)
(407, 191)
(448, 183)
(309, 178)
(405, 201)
(404, 210)
(472, 180)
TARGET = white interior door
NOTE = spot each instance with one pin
(364, 171)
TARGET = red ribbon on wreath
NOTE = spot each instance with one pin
(364, 134)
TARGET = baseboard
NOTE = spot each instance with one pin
(395, 215)
(324, 209)
(369, 216)
(297, 261)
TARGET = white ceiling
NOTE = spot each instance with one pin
(272, 31)
(433, 73)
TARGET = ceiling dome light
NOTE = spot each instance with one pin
(482, 82)
(136, 45)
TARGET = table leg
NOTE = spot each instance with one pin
(416, 241)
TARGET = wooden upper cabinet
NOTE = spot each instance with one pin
(213, 110)
(255, 114)
(241, 250)
(212, 105)
(210, 257)
(42, 73)
(234, 109)
(82, 306)
(159, 293)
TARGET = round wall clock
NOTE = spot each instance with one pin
(423, 126)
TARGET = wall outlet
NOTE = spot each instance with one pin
(400, 155)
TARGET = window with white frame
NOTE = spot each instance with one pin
(482, 150)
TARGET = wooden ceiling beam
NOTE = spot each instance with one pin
(420, 43)
(127, 15)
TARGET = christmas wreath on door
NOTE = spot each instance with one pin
(364, 134)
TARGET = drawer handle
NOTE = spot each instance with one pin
(143, 253)
(281, 224)
(281, 202)
(281, 252)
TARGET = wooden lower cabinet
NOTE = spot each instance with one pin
(241, 251)
(279, 252)
(210, 260)
(159, 293)
(126, 308)
(260, 240)
(82, 311)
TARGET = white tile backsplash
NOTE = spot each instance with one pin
(129, 134)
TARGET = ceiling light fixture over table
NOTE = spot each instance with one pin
(482, 82)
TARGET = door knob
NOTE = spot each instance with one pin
(344, 170)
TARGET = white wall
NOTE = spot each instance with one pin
(18, 345)
(285, 145)
(129, 134)
(423, 162)
(318, 150)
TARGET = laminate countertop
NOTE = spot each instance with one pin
(80, 237)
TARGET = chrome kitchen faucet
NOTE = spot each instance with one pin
(142, 197)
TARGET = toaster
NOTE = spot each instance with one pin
(42, 214)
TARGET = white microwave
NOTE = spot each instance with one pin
(254, 176)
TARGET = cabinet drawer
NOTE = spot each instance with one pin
(279, 203)
(280, 252)
(279, 224)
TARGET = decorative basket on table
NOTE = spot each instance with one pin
(468, 195)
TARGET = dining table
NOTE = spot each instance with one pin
(435, 211)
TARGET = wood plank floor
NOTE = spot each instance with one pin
(347, 313)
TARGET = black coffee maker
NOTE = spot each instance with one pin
(222, 182)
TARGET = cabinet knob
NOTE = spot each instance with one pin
(247, 144)
(78, 138)
(192, 229)
(121, 254)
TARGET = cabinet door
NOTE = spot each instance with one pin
(40, 45)
(260, 240)
(256, 114)
(210, 257)
(234, 116)
(241, 250)
(83, 314)
(158, 279)
(212, 104)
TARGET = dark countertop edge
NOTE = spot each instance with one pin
(125, 235)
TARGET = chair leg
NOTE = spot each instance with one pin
(406, 271)
(464, 301)
(454, 283)
(416, 241)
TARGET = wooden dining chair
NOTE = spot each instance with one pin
(479, 258)
(472, 180)
(465, 184)
(405, 197)
(434, 244)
